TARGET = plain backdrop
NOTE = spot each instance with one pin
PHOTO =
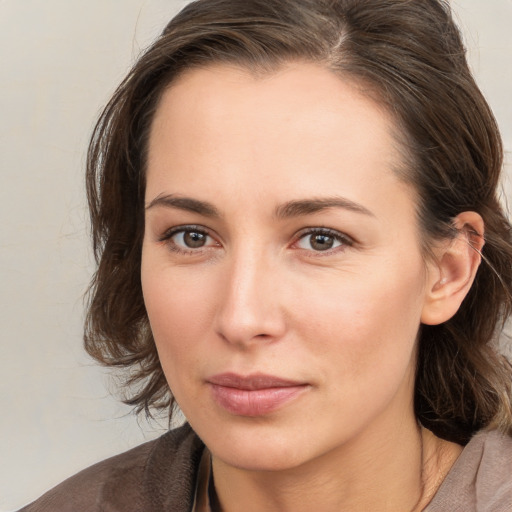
(59, 62)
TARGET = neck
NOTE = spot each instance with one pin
(401, 470)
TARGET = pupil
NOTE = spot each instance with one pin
(322, 242)
(194, 240)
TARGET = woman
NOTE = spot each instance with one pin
(295, 218)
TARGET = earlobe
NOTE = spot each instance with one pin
(451, 275)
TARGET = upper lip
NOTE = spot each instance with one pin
(252, 382)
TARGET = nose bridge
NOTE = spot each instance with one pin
(249, 309)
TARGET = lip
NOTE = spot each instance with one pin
(253, 395)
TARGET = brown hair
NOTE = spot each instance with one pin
(410, 54)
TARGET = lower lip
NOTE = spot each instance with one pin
(255, 402)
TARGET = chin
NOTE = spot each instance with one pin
(261, 458)
(258, 445)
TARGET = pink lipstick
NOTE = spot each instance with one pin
(253, 395)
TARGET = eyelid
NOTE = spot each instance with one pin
(166, 238)
(346, 240)
(168, 233)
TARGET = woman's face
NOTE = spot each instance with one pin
(281, 264)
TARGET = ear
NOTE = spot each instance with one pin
(452, 273)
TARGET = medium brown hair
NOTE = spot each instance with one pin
(409, 56)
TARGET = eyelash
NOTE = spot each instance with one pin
(343, 240)
(168, 235)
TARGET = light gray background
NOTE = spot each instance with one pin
(59, 62)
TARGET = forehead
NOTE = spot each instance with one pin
(293, 96)
(296, 131)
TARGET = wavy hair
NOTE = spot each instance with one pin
(409, 56)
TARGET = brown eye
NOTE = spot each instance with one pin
(321, 242)
(194, 239)
(188, 239)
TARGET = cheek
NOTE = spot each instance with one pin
(365, 327)
(180, 306)
(355, 331)
(361, 341)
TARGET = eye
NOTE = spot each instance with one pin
(188, 239)
(322, 240)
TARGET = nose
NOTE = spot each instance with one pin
(250, 308)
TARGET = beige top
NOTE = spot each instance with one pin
(479, 481)
(481, 478)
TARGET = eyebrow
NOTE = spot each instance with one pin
(185, 203)
(315, 205)
(287, 210)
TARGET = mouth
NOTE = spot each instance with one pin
(253, 395)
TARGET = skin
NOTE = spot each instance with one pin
(258, 295)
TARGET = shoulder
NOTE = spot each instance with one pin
(157, 475)
(480, 479)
